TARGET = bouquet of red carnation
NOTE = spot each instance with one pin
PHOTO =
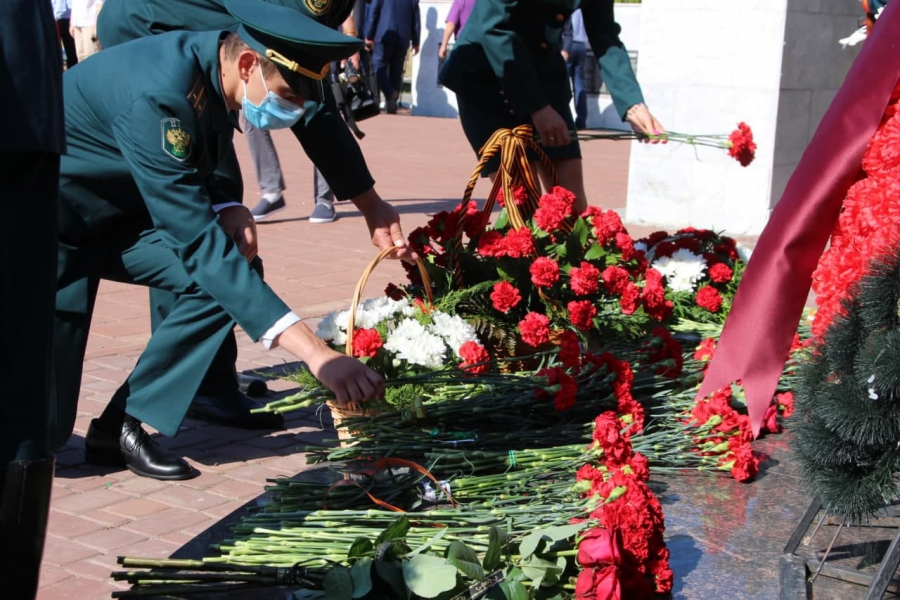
(560, 271)
(626, 557)
(700, 268)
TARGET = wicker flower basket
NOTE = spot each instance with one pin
(353, 410)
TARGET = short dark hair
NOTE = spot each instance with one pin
(234, 45)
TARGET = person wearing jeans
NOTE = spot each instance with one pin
(575, 47)
(271, 180)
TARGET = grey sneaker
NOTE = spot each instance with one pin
(266, 209)
(322, 213)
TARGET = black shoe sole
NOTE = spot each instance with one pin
(238, 423)
(180, 477)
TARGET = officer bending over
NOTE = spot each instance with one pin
(147, 196)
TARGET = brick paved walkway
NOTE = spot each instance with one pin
(421, 166)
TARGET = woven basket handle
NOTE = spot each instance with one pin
(351, 322)
(515, 168)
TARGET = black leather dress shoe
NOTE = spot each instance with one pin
(252, 386)
(133, 448)
(233, 410)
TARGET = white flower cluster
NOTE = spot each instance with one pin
(407, 338)
(682, 270)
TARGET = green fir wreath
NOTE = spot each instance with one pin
(847, 427)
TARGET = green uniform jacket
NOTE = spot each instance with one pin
(151, 148)
(516, 44)
(324, 135)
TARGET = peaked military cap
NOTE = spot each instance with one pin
(300, 47)
(331, 13)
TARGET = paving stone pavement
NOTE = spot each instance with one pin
(421, 166)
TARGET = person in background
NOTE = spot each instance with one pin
(575, 47)
(507, 70)
(391, 26)
(62, 10)
(32, 138)
(83, 26)
(456, 20)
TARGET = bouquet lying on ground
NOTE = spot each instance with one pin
(558, 271)
(701, 271)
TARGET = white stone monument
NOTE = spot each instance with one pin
(704, 65)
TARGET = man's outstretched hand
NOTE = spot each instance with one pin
(383, 221)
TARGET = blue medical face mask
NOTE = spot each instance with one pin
(274, 112)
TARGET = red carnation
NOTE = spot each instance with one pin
(705, 350)
(491, 244)
(786, 402)
(535, 329)
(519, 243)
(519, 196)
(641, 466)
(582, 313)
(544, 272)
(653, 296)
(569, 349)
(606, 226)
(366, 342)
(746, 465)
(615, 279)
(551, 212)
(505, 296)
(598, 547)
(742, 148)
(709, 298)
(473, 353)
(394, 292)
(720, 273)
(562, 385)
(630, 299)
(584, 280)
(625, 244)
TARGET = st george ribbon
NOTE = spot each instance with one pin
(757, 336)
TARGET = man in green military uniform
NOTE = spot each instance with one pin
(323, 135)
(507, 70)
(147, 196)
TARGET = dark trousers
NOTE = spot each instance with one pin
(29, 189)
(169, 371)
(221, 376)
(577, 58)
(29, 201)
(68, 42)
(388, 59)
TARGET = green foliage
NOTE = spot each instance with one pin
(848, 401)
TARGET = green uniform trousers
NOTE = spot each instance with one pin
(168, 374)
(28, 234)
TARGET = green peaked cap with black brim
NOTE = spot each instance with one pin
(332, 13)
(300, 47)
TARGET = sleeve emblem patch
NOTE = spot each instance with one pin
(176, 142)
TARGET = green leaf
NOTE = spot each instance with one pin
(581, 231)
(504, 275)
(338, 584)
(563, 532)
(361, 547)
(464, 558)
(392, 574)
(513, 590)
(429, 576)
(537, 569)
(502, 220)
(531, 543)
(361, 575)
(560, 250)
(396, 530)
(495, 549)
(595, 252)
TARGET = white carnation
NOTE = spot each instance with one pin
(682, 270)
(453, 329)
(333, 328)
(414, 344)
